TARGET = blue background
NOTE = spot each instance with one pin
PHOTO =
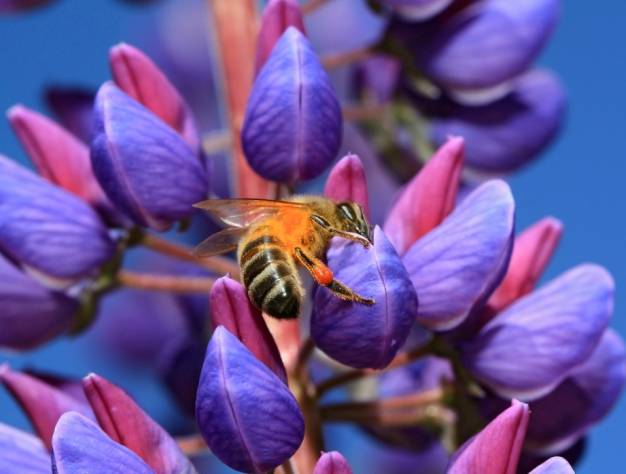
(580, 179)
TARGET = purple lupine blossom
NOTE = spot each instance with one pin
(414, 10)
(292, 128)
(22, 452)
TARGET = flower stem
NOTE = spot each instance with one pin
(216, 142)
(359, 113)
(192, 444)
(312, 5)
(398, 411)
(336, 60)
(401, 359)
(174, 284)
(219, 265)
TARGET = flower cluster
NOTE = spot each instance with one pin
(458, 352)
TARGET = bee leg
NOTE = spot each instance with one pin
(327, 226)
(324, 276)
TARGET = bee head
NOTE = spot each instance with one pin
(352, 219)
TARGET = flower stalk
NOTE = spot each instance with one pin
(174, 284)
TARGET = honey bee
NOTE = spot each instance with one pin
(271, 237)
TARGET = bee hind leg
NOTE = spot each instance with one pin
(324, 276)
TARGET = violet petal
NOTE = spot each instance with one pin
(58, 155)
(585, 397)
(428, 198)
(22, 452)
(43, 404)
(78, 445)
(31, 313)
(418, 10)
(332, 463)
(250, 420)
(507, 134)
(487, 42)
(532, 251)
(122, 419)
(496, 449)
(231, 308)
(458, 264)
(292, 128)
(277, 17)
(138, 76)
(535, 343)
(346, 182)
(143, 165)
(73, 107)
(359, 335)
(42, 225)
(555, 465)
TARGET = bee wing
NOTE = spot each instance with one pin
(242, 213)
(224, 241)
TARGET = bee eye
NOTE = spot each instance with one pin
(346, 210)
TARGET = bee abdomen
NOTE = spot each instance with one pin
(270, 280)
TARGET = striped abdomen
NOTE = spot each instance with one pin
(270, 277)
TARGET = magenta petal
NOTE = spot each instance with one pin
(73, 108)
(43, 404)
(42, 225)
(532, 251)
(231, 308)
(332, 463)
(359, 335)
(277, 17)
(535, 343)
(428, 198)
(140, 78)
(457, 265)
(122, 419)
(346, 182)
(496, 449)
(22, 452)
(293, 125)
(58, 155)
(580, 401)
(79, 446)
(555, 465)
(248, 417)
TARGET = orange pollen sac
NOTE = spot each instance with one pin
(323, 275)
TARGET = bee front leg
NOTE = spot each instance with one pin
(324, 276)
(334, 232)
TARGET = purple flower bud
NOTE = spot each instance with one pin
(127, 424)
(332, 463)
(555, 465)
(508, 133)
(78, 445)
(418, 10)
(456, 266)
(10, 6)
(359, 335)
(144, 166)
(496, 449)
(581, 400)
(487, 42)
(531, 253)
(428, 198)
(31, 313)
(74, 109)
(231, 308)
(535, 343)
(141, 79)
(58, 155)
(43, 403)
(277, 17)
(22, 452)
(292, 128)
(47, 228)
(249, 419)
(346, 182)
